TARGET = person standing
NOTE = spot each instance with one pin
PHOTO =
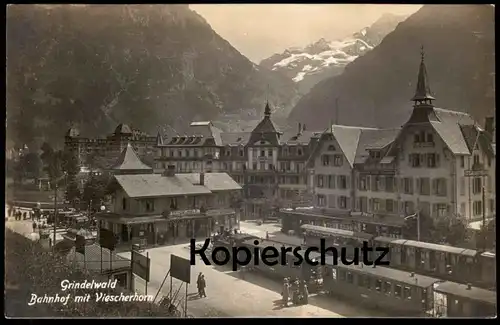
(203, 285)
(34, 226)
(304, 292)
(267, 235)
(198, 281)
(286, 292)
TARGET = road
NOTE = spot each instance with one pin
(228, 295)
(272, 229)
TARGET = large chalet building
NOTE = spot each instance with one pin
(438, 164)
(269, 164)
(102, 152)
(149, 208)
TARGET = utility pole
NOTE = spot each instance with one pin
(484, 216)
(55, 213)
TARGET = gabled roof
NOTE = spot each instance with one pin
(474, 137)
(129, 160)
(207, 130)
(157, 185)
(371, 139)
(213, 181)
(449, 129)
(265, 126)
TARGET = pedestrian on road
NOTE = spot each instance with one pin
(10, 212)
(203, 285)
(34, 226)
(198, 281)
(267, 235)
(286, 292)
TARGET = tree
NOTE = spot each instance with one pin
(427, 228)
(486, 236)
(73, 191)
(70, 163)
(31, 164)
(95, 189)
(52, 163)
(451, 230)
(47, 153)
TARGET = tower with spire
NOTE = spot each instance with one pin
(266, 130)
(423, 107)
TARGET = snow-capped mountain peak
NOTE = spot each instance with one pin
(324, 58)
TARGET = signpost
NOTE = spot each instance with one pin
(180, 268)
(141, 266)
(107, 240)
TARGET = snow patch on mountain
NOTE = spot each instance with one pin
(323, 59)
(338, 53)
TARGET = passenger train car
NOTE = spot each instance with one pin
(397, 291)
(303, 271)
(407, 293)
(453, 299)
(445, 262)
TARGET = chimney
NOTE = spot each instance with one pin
(170, 171)
(489, 124)
(300, 129)
(469, 286)
(202, 179)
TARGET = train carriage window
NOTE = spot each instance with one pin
(403, 255)
(378, 285)
(387, 288)
(350, 277)
(432, 260)
(398, 291)
(342, 275)
(407, 293)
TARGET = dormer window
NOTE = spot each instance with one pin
(375, 154)
(331, 147)
(417, 138)
(299, 151)
(430, 138)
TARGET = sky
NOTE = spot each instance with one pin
(261, 30)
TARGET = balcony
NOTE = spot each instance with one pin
(423, 145)
(477, 170)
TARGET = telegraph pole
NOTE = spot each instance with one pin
(55, 213)
(484, 216)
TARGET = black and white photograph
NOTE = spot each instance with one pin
(250, 160)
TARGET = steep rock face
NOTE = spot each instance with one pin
(324, 59)
(97, 66)
(375, 89)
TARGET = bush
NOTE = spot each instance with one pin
(31, 269)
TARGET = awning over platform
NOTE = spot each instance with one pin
(115, 218)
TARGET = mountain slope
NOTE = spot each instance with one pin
(324, 59)
(95, 66)
(375, 89)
